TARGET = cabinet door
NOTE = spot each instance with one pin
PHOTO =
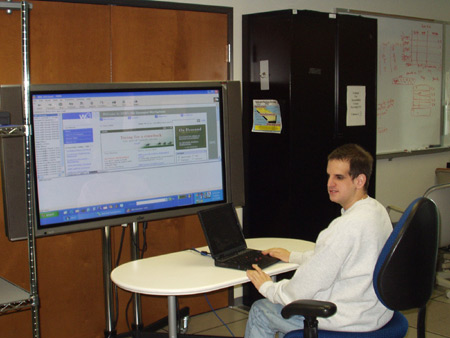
(358, 67)
(312, 122)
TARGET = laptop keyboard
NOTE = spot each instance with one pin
(249, 257)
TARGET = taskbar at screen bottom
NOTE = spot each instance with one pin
(49, 218)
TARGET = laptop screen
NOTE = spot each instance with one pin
(222, 229)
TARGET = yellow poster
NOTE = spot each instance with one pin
(266, 116)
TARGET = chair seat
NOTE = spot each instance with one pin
(395, 328)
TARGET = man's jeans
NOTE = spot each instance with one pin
(265, 320)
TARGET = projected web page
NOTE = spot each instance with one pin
(103, 154)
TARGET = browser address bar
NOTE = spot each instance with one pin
(157, 200)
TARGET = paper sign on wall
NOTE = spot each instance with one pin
(356, 106)
(266, 116)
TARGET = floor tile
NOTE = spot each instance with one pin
(437, 317)
(237, 328)
(412, 333)
(209, 320)
(441, 295)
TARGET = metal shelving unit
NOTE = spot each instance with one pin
(13, 297)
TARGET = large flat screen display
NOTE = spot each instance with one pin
(112, 154)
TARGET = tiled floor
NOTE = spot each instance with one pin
(437, 320)
(438, 317)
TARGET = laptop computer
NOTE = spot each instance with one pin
(226, 241)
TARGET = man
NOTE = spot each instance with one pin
(340, 268)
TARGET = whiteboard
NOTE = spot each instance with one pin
(409, 84)
(446, 81)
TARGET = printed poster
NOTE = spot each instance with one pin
(266, 116)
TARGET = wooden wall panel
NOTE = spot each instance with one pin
(69, 43)
(76, 43)
(11, 48)
(168, 45)
(69, 270)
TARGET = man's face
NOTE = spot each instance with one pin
(342, 189)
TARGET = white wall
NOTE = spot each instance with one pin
(398, 181)
(403, 179)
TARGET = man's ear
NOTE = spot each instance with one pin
(361, 181)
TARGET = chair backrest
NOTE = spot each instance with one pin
(405, 271)
(440, 195)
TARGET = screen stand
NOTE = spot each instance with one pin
(109, 296)
(138, 328)
(137, 308)
(134, 246)
(110, 330)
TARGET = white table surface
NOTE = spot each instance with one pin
(187, 272)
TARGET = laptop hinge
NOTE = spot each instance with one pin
(231, 253)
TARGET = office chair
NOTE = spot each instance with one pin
(403, 277)
(440, 195)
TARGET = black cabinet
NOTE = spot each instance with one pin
(312, 59)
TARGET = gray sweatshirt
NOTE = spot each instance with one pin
(340, 269)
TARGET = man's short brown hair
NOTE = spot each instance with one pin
(360, 160)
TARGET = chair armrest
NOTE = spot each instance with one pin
(309, 308)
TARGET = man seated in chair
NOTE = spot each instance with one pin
(340, 268)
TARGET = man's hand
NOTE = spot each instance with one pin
(281, 254)
(257, 276)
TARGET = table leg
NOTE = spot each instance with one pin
(172, 316)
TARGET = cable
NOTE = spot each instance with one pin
(126, 313)
(141, 251)
(144, 234)
(214, 311)
(203, 253)
(144, 244)
(116, 293)
(120, 246)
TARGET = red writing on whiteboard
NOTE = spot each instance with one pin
(424, 99)
(384, 107)
(422, 48)
(403, 80)
(382, 130)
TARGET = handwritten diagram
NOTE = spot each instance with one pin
(409, 84)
